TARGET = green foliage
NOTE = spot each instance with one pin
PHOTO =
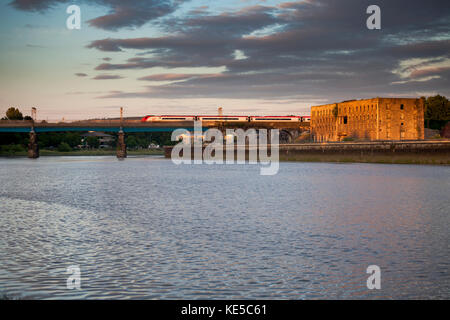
(17, 143)
(73, 139)
(14, 114)
(64, 147)
(437, 111)
(144, 139)
(348, 139)
(93, 142)
(54, 139)
(14, 138)
(131, 142)
(12, 149)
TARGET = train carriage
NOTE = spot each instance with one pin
(275, 119)
(223, 118)
(153, 118)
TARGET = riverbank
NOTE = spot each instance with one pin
(392, 159)
(394, 152)
(400, 152)
(55, 153)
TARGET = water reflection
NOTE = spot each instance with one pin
(144, 228)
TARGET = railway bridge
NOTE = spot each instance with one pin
(288, 130)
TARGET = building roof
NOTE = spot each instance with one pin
(362, 100)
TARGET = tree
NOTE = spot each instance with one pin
(73, 139)
(64, 147)
(131, 142)
(437, 111)
(14, 114)
(93, 142)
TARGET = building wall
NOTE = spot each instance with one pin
(370, 119)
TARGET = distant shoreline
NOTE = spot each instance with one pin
(54, 153)
(307, 158)
(411, 152)
(388, 152)
(403, 159)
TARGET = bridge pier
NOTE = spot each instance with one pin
(33, 147)
(121, 146)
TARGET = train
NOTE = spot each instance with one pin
(156, 118)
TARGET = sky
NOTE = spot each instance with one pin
(251, 57)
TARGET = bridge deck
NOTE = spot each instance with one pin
(134, 126)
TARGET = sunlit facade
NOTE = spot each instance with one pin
(370, 119)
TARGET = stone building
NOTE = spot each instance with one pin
(370, 119)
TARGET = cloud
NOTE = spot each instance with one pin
(180, 77)
(107, 77)
(121, 14)
(80, 74)
(319, 48)
(167, 77)
(35, 5)
(427, 72)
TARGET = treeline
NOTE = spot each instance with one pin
(437, 112)
(67, 141)
(15, 114)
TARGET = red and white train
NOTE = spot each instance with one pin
(154, 118)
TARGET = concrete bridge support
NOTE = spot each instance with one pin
(121, 146)
(33, 147)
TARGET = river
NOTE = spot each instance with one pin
(145, 228)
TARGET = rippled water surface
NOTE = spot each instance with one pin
(145, 228)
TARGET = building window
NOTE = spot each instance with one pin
(402, 123)
(345, 120)
(401, 107)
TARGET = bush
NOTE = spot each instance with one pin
(348, 139)
(17, 148)
(93, 142)
(64, 147)
(12, 149)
